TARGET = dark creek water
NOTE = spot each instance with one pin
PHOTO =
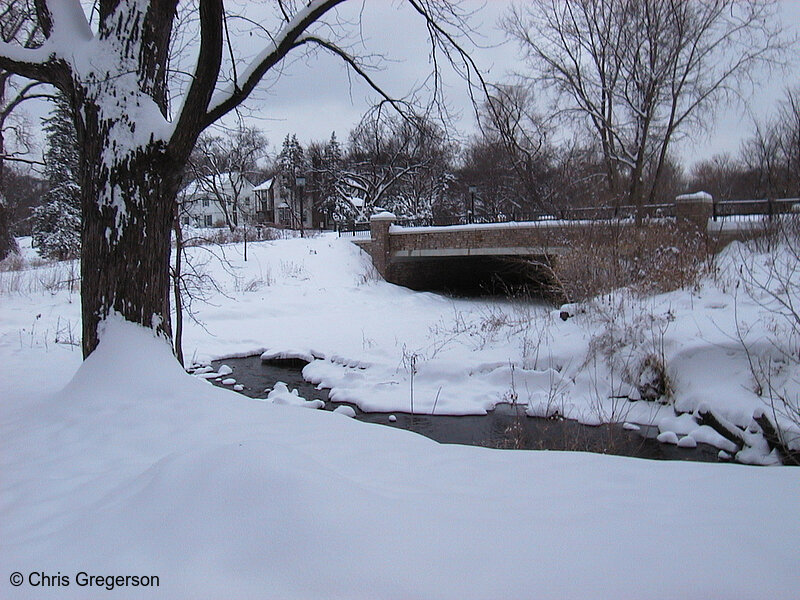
(505, 427)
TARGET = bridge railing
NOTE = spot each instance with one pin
(604, 213)
(722, 209)
(742, 209)
(353, 229)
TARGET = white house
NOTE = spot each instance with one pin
(213, 201)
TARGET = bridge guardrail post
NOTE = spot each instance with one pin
(696, 209)
(379, 225)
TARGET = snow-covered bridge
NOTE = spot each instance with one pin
(458, 256)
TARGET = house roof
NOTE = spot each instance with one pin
(265, 185)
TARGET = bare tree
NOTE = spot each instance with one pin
(191, 281)
(719, 175)
(396, 163)
(222, 166)
(18, 25)
(639, 73)
(772, 153)
(134, 148)
(510, 123)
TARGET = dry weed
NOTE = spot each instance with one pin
(656, 257)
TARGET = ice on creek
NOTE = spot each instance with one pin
(757, 451)
(707, 435)
(345, 410)
(280, 394)
(682, 424)
(209, 375)
(667, 437)
(686, 425)
(294, 353)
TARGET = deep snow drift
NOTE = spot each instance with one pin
(136, 468)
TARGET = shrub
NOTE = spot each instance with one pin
(658, 256)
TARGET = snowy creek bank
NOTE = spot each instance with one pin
(507, 426)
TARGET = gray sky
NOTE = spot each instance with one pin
(314, 99)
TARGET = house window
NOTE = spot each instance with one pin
(247, 201)
(208, 220)
(205, 201)
(186, 220)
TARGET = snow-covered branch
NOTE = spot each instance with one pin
(236, 92)
(65, 27)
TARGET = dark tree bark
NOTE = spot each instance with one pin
(128, 272)
(176, 290)
(7, 242)
(128, 194)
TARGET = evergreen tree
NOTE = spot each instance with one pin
(333, 190)
(291, 164)
(57, 223)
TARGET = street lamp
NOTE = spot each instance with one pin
(300, 182)
(472, 191)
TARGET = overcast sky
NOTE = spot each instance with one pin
(317, 98)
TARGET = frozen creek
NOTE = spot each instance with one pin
(505, 427)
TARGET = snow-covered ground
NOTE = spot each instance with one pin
(130, 466)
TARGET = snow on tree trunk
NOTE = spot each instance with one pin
(129, 181)
(125, 266)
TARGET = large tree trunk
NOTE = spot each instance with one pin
(129, 180)
(128, 209)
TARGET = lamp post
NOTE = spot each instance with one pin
(300, 182)
(471, 216)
